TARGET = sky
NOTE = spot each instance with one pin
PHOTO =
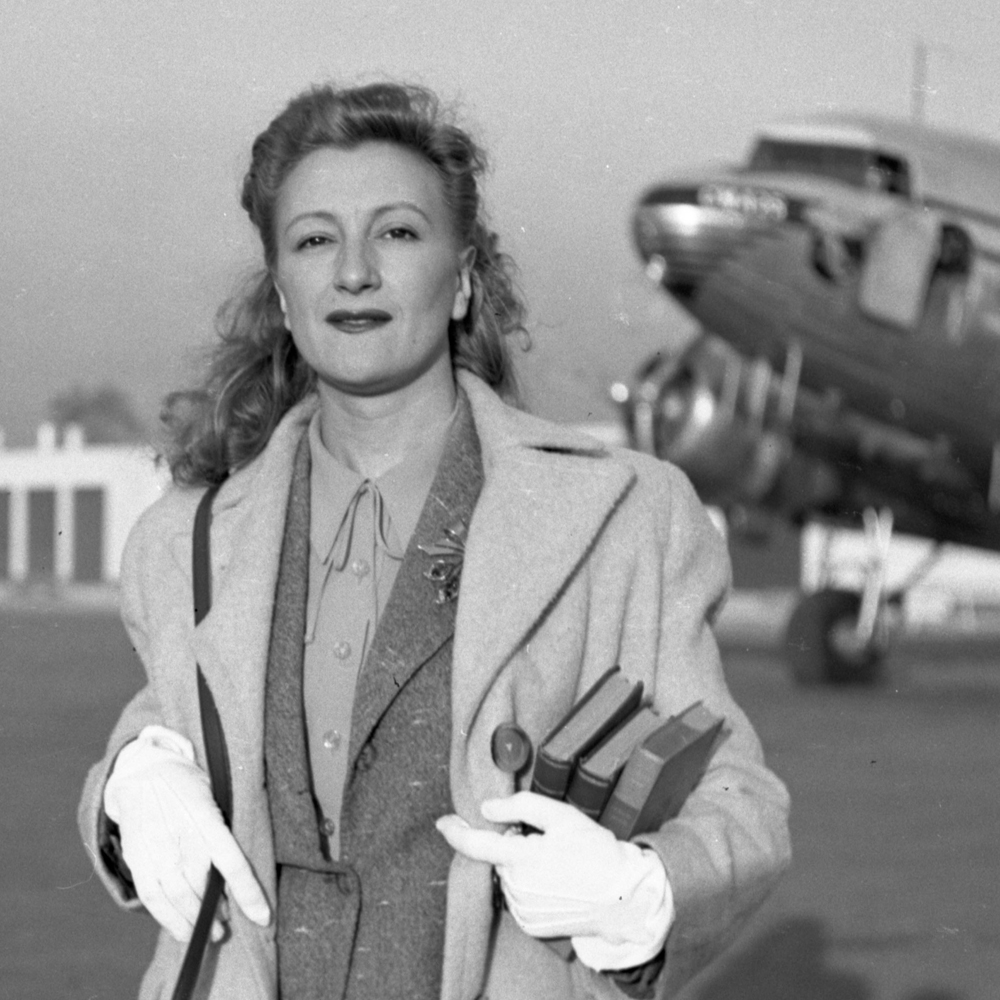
(127, 127)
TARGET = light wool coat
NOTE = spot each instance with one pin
(578, 557)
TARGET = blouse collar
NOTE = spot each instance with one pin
(399, 493)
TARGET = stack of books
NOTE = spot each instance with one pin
(617, 761)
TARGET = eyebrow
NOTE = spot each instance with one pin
(376, 214)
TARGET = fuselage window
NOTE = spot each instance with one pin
(858, 166)
(889, 174)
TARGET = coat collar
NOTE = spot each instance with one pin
(548, 491)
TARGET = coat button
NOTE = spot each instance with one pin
(510, 747)
(345, 883)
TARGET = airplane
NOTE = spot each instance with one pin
(846, 280)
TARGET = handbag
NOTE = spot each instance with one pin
(215, 750)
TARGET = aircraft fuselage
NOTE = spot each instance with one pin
(770, 258)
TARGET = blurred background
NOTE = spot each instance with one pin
(126, 131)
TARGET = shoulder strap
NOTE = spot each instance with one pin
(211, 724)
(215, 748)
(201, 566)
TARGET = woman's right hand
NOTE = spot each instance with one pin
(172, 831)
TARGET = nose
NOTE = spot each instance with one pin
(356, 267)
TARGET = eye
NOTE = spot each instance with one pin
(400, 233)
(315, 240)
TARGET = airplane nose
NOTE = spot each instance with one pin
(684, 232)
(682, 241)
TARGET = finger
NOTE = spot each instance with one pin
(550, 925)
(536, 810)
(164, 912)
(225, 854)
(160, 884)
(184, 887)
(242, 884)
(198, 890)
(480, 845)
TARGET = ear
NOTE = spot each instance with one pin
(284, 304)
(463, 293)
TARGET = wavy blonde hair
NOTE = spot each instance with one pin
(255, 374)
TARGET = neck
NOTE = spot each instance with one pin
(372, 434)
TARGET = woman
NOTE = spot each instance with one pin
(355, 405)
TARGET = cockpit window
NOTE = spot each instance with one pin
(889, 174)
(854, 165)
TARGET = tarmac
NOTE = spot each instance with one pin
(892, 895)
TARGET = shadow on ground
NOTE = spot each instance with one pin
(791, 961)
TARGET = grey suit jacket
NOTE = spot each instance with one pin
(330, 945)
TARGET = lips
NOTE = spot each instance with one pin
(357, 320)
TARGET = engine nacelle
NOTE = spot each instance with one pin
(751, 438)
(713, 414)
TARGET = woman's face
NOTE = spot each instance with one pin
(368, 268)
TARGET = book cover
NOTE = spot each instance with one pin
(596, 773)
(661, 772)
(611, 699)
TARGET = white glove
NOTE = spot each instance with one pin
(172, 832)
(575, 879)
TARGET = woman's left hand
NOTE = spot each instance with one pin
(572, 879)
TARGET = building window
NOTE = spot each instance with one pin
(41, 534)
(4, 534)
(88, 535)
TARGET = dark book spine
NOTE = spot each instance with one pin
(588, 792)
(630, 794)
(551, 777)
(677, 778)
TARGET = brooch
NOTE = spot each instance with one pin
(446, 562)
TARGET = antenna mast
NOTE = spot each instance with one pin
(918, 89)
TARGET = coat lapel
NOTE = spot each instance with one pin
(547, 494)
(415, 625)
(231, 643)
(289, 782)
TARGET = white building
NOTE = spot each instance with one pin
(66, 510)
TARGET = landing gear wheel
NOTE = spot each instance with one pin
(822, 645)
